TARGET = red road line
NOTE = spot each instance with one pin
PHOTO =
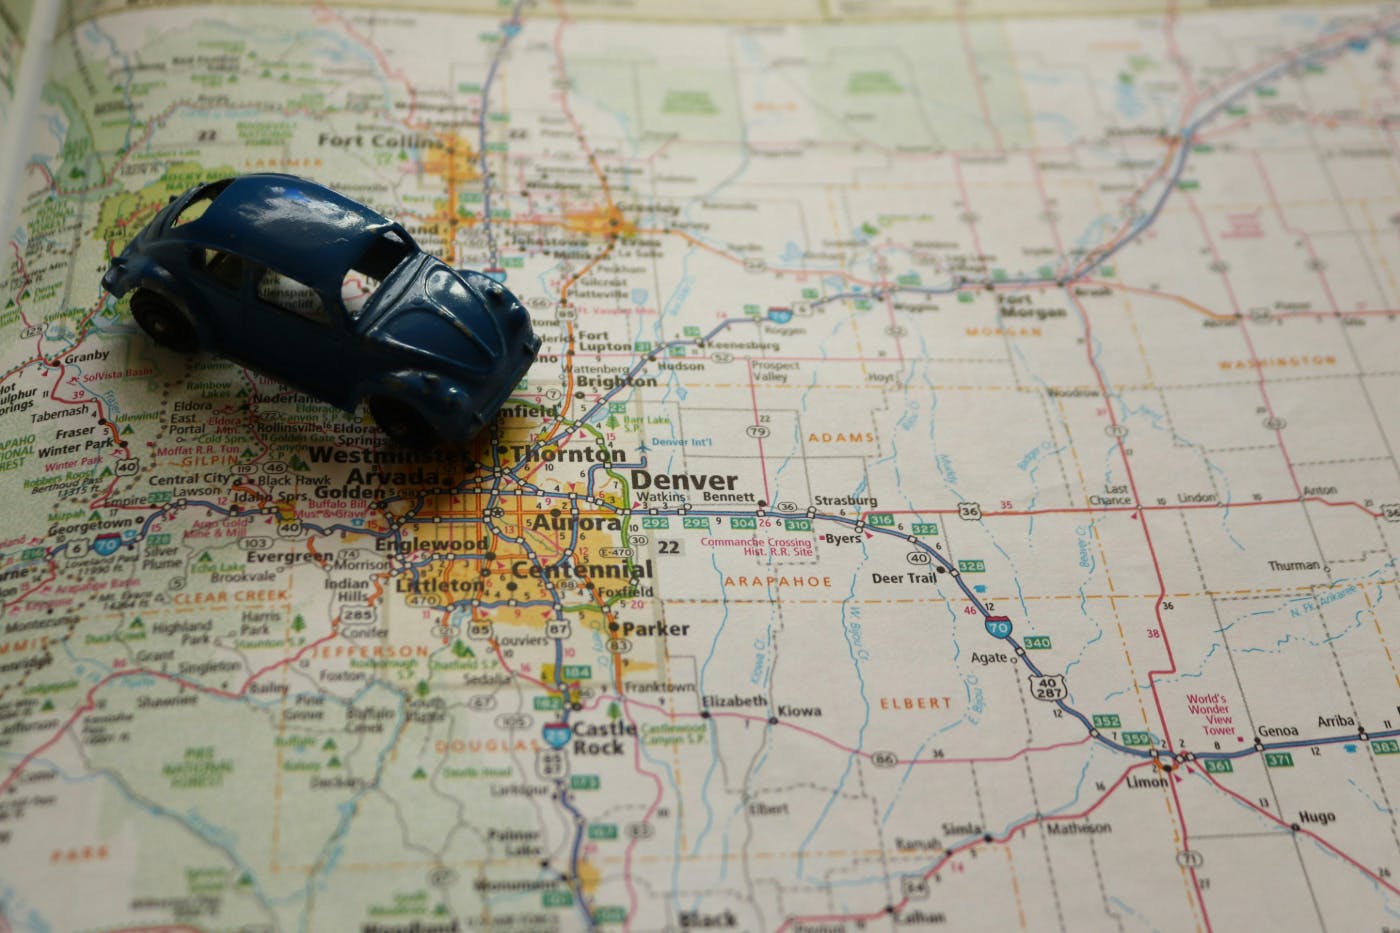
(1328, 42)
(1156, 569)
(53, 575)
(1186, 845)
(1106, 509)
(1169, 40)
(762, 462)
(963, 196)
(646, 817)
(627, 701)
(764, 720)
(382, 60)
(976, 76)
(948, 855)
(88, 704)
(1137, 499)
(1301, 831)
(1248, 341)
(1302, 235)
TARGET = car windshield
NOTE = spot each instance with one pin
(378, 262)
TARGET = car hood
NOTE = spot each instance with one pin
(460, 319)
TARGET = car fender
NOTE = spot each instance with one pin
(153, 277)
(445, 402)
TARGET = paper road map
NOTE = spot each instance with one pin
(958, 487)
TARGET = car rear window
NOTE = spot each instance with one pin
(372, 268)
(200, 202)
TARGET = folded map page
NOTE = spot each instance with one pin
(957, 487)
(12, 28)
(14, 24)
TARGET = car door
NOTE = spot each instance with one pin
(292, 333)
(217, 290)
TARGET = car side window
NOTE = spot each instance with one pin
(290, 295)
(365, 275)
(224, 268)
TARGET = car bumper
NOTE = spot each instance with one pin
(112, 278)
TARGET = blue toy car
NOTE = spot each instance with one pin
(325, 294)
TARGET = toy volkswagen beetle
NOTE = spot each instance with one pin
(329, 296)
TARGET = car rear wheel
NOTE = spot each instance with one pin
(166, 324)
(403, 425)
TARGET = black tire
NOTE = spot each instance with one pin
(403, 425)
(164, 322)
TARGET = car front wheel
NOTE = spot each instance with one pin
(166, 324)
(403, 425)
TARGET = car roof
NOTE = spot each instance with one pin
(295, 226)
